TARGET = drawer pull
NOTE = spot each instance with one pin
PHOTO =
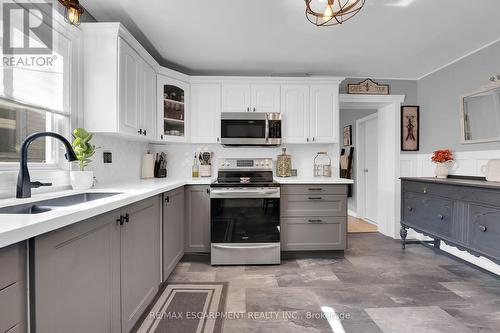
(315, 221)
(425, 190)
(483, 228)
(315, 189)
(315, 198)
(441, 217)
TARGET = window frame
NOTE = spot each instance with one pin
(72, 103)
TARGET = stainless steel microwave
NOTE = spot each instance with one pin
(250, 129)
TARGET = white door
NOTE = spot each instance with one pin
(236, 97)
(148, 98)
(370, 169)
(130, 64)
(205, 112)
(295, 113)
(265, 97)
(324, 113)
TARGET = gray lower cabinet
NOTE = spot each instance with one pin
(173, 230)
(461, 212)
(98, 275)
(197, 218)
(313, 217)
(13, 288)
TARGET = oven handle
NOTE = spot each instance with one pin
(245, 247)
(236, 192)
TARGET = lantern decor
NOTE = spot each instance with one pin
(73, 11)
(324, 13)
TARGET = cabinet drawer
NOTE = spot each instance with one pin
(313, 205)
(448, 191)
(314, 189)
(433, 215)
(302, 235)
(9, 262)
(484, 230)
(11, 307)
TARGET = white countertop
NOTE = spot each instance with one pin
(18, 227)
(312, 180)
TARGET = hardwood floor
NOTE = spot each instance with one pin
(358, 225)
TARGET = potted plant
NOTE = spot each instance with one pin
(444, 161)
(82, 179)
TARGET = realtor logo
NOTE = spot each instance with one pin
(27, 28)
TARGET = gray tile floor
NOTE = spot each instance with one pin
(377, 287)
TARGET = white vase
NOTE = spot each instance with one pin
(81, 180)
(443, 169)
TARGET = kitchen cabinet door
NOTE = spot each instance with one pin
(236, 97)
(148, 97)
(129, 93)
(173, 109)
(265, 97)
(205, 112)
(295, 111)
(324, 114)
(77, 277)
(140, 259)
(197, 218)
(173, 230)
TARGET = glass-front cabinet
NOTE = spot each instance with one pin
(173, 109)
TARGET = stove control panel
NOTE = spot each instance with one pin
(246, 163)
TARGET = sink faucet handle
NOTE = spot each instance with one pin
(38, 184)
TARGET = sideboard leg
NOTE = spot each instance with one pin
(403, 232)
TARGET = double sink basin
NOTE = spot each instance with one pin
(43, 206)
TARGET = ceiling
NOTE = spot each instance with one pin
(403, 39)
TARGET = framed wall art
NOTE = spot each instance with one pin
(347, 135)
(410, 128)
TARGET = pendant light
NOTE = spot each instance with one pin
(332, 12)
(73, 11)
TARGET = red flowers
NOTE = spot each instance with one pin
(441, 156)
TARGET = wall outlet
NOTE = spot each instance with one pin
(107, 157)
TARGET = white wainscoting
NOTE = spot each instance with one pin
(467, 164)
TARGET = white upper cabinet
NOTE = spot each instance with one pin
(324, 119)
(243, 97)
(173, 109)
(265, 97)
(295, 111)
(119, 82)
(205, 112)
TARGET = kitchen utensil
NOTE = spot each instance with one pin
(207, 157)
(492, 170)
(284, 165)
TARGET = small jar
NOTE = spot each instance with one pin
(322, 165)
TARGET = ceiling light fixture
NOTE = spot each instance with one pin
(73, 11)
(324, 13)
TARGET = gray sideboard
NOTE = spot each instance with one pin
(463, 212)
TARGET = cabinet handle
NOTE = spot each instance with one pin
(218, 139)
(140, 131)
(126, 218)
(315, 198)
(410, 208)
(424, 190)
(483, 228)
(315, 189)
(120, 220)
(144, 132)
(161, 136)
(307, 139)
(441, 217)
(315, 221)
(253, 109)
(314, 139)
(248, 109)
(208, 191)
(167, 199)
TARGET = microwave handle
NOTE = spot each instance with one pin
(267, 128)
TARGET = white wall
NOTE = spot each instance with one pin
(180, 156)
(467, 163)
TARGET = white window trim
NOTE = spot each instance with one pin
(73, 92)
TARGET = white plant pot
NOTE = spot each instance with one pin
(81, 180)
(443, 169)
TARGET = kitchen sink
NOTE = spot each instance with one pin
(43, 206)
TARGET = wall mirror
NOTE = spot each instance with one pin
(480, 115)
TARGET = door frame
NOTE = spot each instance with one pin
(360, 165)
(389, 131)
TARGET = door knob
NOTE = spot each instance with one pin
(483, 228)
(441, 217)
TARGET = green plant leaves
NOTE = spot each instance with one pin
(83, 149)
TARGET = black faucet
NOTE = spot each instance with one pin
(24, 184)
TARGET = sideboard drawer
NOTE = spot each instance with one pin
(448, 191)
(484, 230)
(432, 215)
(313, 205)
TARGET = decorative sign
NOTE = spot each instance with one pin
(347, 135)
(368, 87)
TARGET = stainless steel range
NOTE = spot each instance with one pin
(245, 213)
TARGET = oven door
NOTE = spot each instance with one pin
(245, 215)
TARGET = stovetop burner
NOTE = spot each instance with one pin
(234, 173)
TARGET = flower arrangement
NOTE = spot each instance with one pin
(442, 156)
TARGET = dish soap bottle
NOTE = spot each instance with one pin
(195, 171)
